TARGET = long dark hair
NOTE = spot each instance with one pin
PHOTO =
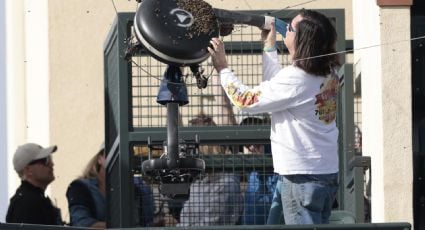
(315, 36)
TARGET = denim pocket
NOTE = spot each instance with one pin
(308, 199)
(313, 196)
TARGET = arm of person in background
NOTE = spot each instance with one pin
(81, 206)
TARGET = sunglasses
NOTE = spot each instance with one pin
(290, 28)
(44, 161)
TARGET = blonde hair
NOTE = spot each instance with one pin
(93, 167)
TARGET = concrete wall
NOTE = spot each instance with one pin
(397, 113)
(56, 61)
(386, 114)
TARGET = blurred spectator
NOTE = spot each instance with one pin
(87, 196)
(357, 139)
(205, 120)
(254, 148)
(260, 184)
(29, 205)
(215, 199)
(144, 203)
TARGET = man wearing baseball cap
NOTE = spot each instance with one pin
(29, 205)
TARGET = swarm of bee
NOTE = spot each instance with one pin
(205, 21)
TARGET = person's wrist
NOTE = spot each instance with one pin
(225, 70)
(269, 48)
(220, 68)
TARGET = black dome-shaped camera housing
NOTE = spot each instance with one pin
(167, 32)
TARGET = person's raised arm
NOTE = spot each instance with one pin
(218, 54)
(271, 65)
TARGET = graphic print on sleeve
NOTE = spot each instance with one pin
(240, 97)
(326, 99)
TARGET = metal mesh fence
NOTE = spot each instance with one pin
(244, 58)
(234, 190)
(237, 185)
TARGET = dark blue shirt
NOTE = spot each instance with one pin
(86, 204)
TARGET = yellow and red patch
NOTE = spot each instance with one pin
(242, 98)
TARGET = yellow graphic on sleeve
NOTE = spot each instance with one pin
(326, 100)
(242, 98)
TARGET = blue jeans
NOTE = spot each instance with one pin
(305, 199)
(275, 213)
(308, 199)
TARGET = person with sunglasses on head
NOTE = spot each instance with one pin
(302, 100)
(30, 205)
(86, 196)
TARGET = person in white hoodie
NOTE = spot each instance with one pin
(302, 99)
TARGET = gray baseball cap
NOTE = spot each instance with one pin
(28, 152)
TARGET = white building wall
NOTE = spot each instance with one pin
(37, 71)
(367, 61)
(15, 88)
(4, 196)
(26, 80)
(386, 107)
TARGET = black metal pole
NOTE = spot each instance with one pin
(172, 134)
